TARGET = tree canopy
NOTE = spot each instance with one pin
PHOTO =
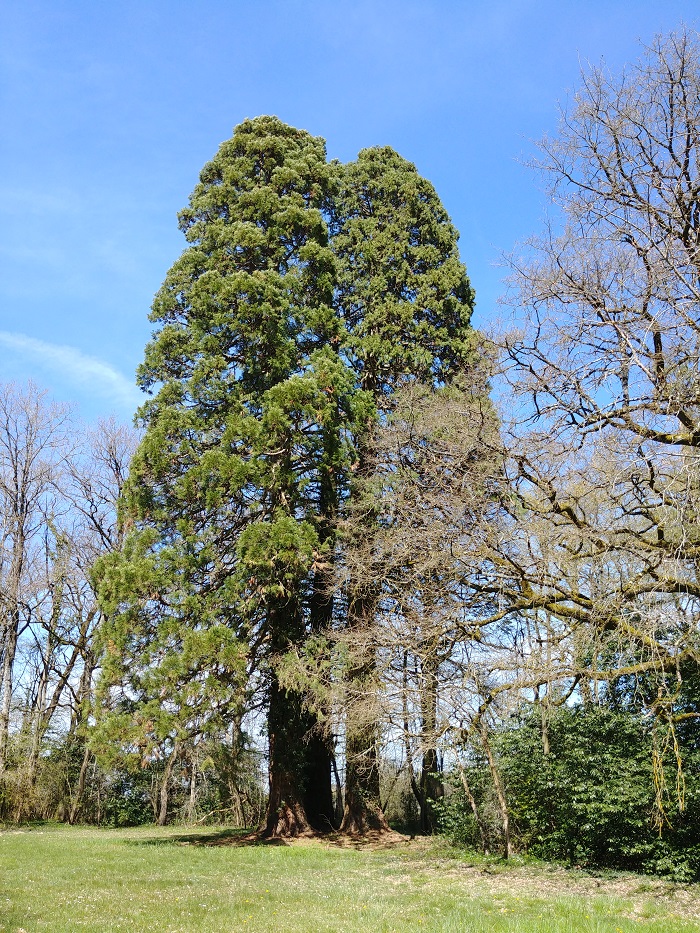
(309, 291)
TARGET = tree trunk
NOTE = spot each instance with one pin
(38, 728)
(363, 811)
(431, 789)
(318, 790)
(6, 692)
(289, 727)
(498, 787)
(286, 815)
(338, 803)
(236, 805)
(475, 810)
(192, 798)
(43, 708)
(318, 745)
(83, 704)
(12, 601)
(431, 786)
(544, 720)
(165, 786)
(80, 789)
(78, 714)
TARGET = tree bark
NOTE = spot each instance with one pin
(363, 811)
(338, 804)
(289, 726)
(286, 815)
(318, 791)
(192, 797)
(165, 786)
(498, 787)
(6, 692)
(80, 788)
(12, 602)
(431, 786)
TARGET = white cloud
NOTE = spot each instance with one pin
(75, 367)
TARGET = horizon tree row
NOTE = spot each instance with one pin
(59, 485)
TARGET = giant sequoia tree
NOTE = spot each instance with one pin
(308, 292)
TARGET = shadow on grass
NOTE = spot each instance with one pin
(217, 837)
(245, 838)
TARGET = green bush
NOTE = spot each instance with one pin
(591, 800)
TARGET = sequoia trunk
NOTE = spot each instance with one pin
(286, 813)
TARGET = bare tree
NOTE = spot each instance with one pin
(33, 446)
(435, 478)
(95, 484)
(58, 490)
(600, 565)
(608, 366)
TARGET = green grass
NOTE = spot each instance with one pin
(62, 879)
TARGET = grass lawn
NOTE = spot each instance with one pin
(57, 878)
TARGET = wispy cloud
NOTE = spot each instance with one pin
(86, 372)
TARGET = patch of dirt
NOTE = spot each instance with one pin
(370, 841)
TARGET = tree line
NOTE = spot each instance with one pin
(328, 524)
(59, 485)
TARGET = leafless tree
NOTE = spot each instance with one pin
(435, 479)
(603, 389)
(95, 484)
(33, 446)
(59, 485)
(606, 368)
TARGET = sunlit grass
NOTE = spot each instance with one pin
(63, 879)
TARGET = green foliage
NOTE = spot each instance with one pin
(591, 798)
(171, 669)
(126, 798)
(222, 501)
(307, 293)
(23, 798)
(403, 291)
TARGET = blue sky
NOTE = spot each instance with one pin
(109, 110)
